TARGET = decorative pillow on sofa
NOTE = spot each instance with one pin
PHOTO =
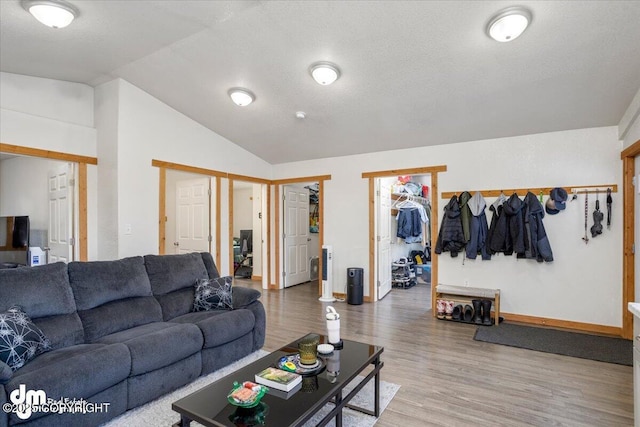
(213, 294)
(20, 339)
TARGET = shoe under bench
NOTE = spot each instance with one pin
(464, 294)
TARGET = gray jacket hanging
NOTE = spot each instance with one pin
(478, 229)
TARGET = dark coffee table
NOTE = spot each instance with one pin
(209, 406)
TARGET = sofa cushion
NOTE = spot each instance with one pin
(220, 326)
(99, 282)
(212, 294)
(210, 265)
(243, 296)
(156, 345)
(74, 372)
(112, 296)
(5, 373)
(173, 278)
(61, 331)
(176, 303)
(44, 293)
(119, 316)
(168, 273)
(20, 339)
(41, 291)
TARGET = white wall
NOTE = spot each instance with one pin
(52, 115)
(629, 126)
(564, 289)
(107, 122)
(54, 99)
(147, 129)
(242, 210)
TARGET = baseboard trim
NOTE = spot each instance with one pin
(256, 277)
(564, 324)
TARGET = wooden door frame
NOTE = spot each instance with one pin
(277, 183)
(628, 157)
(433, 171)
(162, 199)
(265, 220)
(218, 175)
(82, 161)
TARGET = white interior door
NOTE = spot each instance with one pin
(384, 239)
(296, 235)
(192, 216)
(61, 213)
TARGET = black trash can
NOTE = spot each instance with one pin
(354, 285)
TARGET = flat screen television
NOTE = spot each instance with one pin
(246, 241)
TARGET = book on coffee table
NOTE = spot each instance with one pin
(278, 379)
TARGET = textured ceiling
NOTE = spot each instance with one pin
(413, 73)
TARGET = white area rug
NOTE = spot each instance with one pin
(158, 413)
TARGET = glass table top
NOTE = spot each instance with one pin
(210, 407)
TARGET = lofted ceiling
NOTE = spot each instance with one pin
(413, 73)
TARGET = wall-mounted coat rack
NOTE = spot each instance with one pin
(576, 189)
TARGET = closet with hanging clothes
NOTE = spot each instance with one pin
(411, 232)
(413, 216)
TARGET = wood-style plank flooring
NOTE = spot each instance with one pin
(447, 378)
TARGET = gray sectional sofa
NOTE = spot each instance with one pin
(122, 332)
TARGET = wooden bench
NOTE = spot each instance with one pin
(464, 295)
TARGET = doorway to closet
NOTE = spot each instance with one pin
(379, 257)
(403, 232)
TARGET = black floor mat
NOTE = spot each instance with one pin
(575, 344)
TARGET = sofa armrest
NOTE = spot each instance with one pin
(243, 296)
(5, 373)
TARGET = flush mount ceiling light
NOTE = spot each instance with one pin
(324, 73)
(508, 24)
(241, 97)
(54, 14)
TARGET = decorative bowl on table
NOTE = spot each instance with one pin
(246, 394)
(293, 360)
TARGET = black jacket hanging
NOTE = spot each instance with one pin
(496, 238)
(513, 209)
(451, 236)
(537, 244)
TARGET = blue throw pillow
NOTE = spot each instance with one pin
(20, 339)
(213, 294)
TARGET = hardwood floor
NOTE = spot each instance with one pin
(447, 378)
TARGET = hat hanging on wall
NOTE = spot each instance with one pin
(557, 201)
